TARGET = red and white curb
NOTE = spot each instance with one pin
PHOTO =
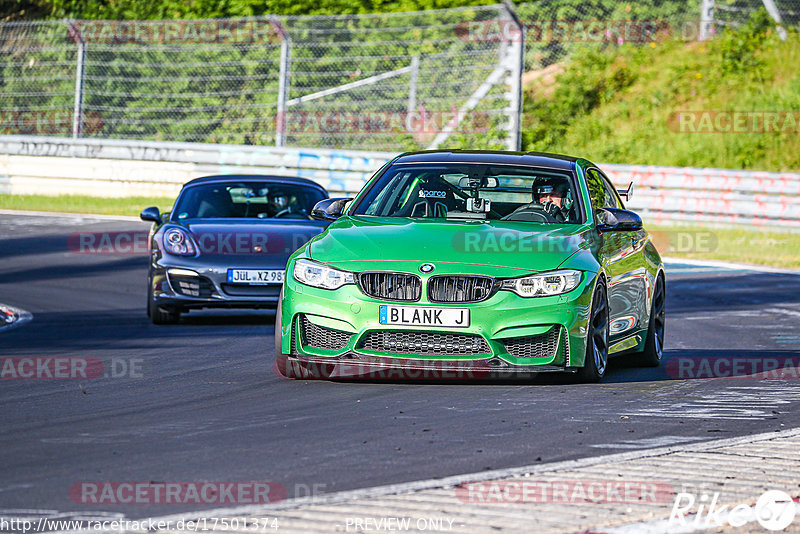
(739, 470)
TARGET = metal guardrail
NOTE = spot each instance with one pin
(722, 196)
(48, 165)
(127, 168)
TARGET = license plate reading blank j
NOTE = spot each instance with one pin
(423, 316)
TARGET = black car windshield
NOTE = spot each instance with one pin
(261, 200)
(474, 191)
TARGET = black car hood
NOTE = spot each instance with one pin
(250, 242)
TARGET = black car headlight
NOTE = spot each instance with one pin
(178, 242)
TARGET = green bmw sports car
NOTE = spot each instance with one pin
(467, 264)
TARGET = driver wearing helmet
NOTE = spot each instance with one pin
(278, 203)
(551, 194)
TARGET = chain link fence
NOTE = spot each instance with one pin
(398, 81)
(554, 28)
(388, 81)
(734, 13)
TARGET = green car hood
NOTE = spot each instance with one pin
(494, 248)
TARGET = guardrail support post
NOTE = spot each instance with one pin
(412, 85)
(773, 11)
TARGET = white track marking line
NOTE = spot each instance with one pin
(646, 442)
(72, 215)
(730, 265)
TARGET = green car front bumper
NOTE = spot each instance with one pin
(337, 334)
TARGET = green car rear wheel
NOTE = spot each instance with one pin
(654, 346)
(596, 361)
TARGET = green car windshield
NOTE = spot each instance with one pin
(448, 191)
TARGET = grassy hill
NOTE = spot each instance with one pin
(620, 104)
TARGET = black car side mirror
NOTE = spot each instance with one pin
(329, 209)
(151, 214)
(619, 220)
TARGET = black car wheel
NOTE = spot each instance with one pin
(596, 361)
(654, 346)
(149, 294)
(160, 314)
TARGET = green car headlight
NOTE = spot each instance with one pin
(320, 275)
(544, 284)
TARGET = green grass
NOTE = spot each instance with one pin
(619, 104)
(84, 204)
(759, 247)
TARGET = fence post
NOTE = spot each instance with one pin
(706, 20)
(773, 11)
(412, 85)
(515, 60)
(77, 111)
(283, 85)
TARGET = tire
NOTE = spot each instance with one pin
(596, 362)
(654, 345)
(281, 359)
(159, 314)
(149, 294)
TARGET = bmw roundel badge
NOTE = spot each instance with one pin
(426, 268)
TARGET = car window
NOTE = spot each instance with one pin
(612, 197)
(456, 191)
(598, 192)
(261, 200)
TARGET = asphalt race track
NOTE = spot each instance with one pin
(204, 405)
